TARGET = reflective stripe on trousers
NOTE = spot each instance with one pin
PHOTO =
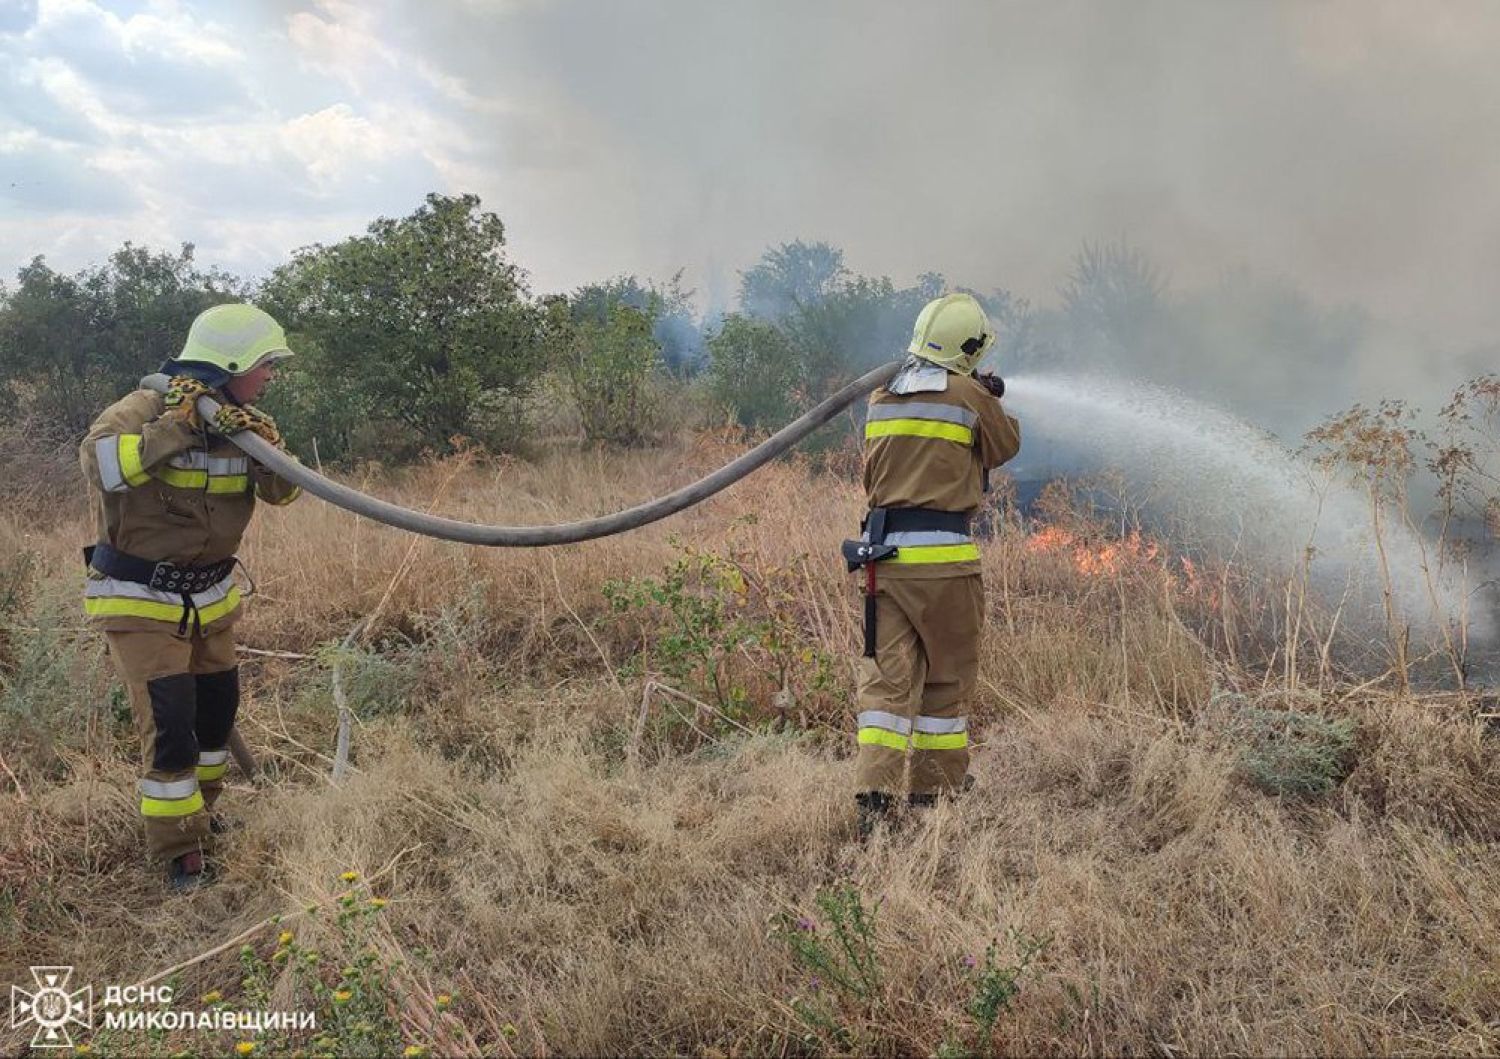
(170, 797)
(941, 733)
(879, 728)
(212, 764)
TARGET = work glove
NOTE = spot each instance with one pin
(182, 399)
(991, 382)
(231, 419)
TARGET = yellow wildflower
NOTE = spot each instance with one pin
(350, 876)
(213, 996)
(342, 996)
(245, 1047)
(444, 1001)
(285, 938)
(414, 1051)
(377, 902)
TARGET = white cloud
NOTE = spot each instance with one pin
(165, 30)
(340, 40)
(73, 94)
(335, 140)
(125, 135)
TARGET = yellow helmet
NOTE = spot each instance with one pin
(234, 338)
(953, 332)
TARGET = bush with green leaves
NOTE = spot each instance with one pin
(994, 986)
(53, 674)
(755, 372)
(723, 626)
(422, 328)
(1289, 752)
(605, 340)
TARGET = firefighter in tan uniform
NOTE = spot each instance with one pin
(932, 436)
(172, 497)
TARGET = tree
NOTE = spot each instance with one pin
(670, 308)
(69, 345)
(790, 277)
(755, 371)
(604, 339)
(422, 323)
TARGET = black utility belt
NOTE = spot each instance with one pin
(162, 576)
(881, 522)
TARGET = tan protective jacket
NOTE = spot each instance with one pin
(163, 491)
(931, 450)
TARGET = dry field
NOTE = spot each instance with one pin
(1178, 844)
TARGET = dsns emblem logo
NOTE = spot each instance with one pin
(51, 1007)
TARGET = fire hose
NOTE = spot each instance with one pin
(273, 459)
(287, 467)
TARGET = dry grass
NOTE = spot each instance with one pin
(578, 900)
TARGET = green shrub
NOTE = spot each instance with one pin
(755, 371)
(722, 627)
(419, 322)
(1293, 753)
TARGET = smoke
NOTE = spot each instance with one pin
(1343, 147)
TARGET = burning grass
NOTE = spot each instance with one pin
(576, 864)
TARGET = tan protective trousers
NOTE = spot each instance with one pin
(913, 694)
(184, 693)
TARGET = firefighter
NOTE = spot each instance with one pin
(171, 498)
(932, 436)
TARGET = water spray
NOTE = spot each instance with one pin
(1237, 489)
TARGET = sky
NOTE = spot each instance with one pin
(1352, 148)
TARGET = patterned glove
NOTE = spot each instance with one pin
(991, 382)
(231, 419)
(182, 399)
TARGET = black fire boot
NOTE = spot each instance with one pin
(187, 872)
(874, 810)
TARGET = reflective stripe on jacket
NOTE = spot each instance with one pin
(931, 449)
(165, 492)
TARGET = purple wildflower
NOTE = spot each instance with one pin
(970, 962)
(804, 923)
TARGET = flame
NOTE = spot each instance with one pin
(1134, 551)
(1109, 557)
